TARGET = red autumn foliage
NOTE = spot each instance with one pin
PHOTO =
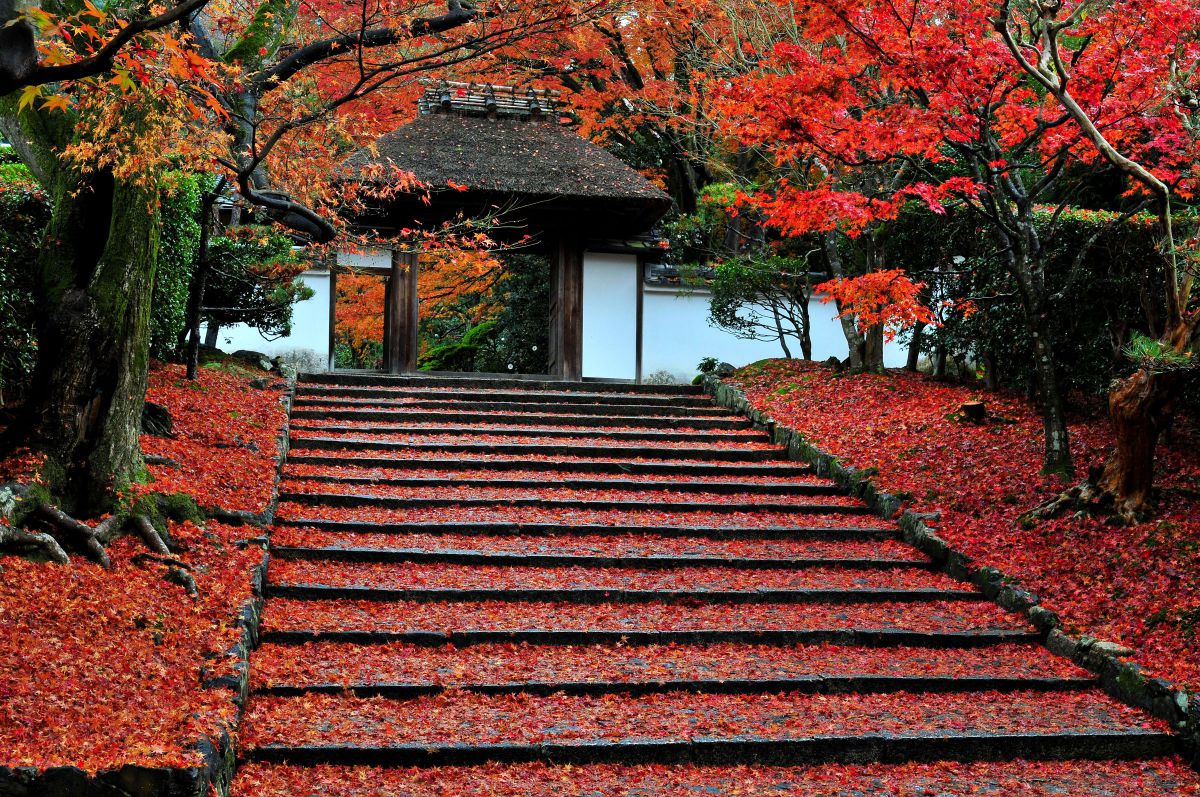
(412, 575)
(1137, 586)
(295, 512)
(99, 669)
(226, 437)
(401, 663)
(530, 719)
(506, 494)
(450, 476)
(1155, 778)
(604, 545)
(403, 616)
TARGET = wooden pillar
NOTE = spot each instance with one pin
(566, 309)
(400, 315)
(333, 272)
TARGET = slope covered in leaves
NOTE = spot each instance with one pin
(225, 436)
(99, 669)
(1138, 586)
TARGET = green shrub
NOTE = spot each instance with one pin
(24, 212)
(179, 244)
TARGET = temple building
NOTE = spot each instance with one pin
(498, 151)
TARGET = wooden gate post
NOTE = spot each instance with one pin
(566, 309)
(400, 315)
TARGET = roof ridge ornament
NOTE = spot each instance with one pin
(486, 99)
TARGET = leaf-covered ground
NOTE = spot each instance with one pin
(401, 663)
(1157, 778)
(1139, 586)
(225, 437)
(674, 716)
(601, 545)
(104, 668)
(347, 615)
(413, 575)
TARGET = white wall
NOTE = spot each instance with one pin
(310, 327)
(610, 315)
(676, 335)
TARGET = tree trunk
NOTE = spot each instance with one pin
(914, 348)
(1057, 455)
(96, 278)
(805, 331)
(200, 282)
(854, 340)
(211, 333)
(1142, 407)
(873, 350)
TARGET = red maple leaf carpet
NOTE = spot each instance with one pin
(593, 589)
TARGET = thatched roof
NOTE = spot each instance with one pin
(532, 159)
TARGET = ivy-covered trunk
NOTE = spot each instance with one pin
(96, 278)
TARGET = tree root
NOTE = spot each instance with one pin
(85, 533)
(155, 459)
(94, 539)
(1086, 498)
(36, 540)
(177, 571)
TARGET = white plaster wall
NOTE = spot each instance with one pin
(368, 258)
(610, 315)
(310, 327)
(676, 335)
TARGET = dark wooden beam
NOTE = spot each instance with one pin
(400, 316)
(566, 309)
(333, 270)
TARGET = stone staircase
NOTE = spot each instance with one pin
(516, 587)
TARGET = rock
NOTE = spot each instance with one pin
(156, 420)
(834, 364)
(254, 358)
(724, 369)
(259, 383)
(1111, 649)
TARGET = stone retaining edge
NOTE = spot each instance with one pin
(220, 754)
(1123, 680)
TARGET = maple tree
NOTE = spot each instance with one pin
(100, 101)
(1057, 45)
(868, 109)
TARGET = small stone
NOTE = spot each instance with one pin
(259, 383)
(156, 420)
(1111, 649)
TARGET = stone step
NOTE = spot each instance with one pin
(349, 553)
(380, 478)
(954, 624)
(600, 465)
(315, 409)
(417, 407)
(411, 670)
(863, 532)
(708, 454)
(407, 395)
(1158, 777)
(787, 728)
(598, 504)
(490, 382)
(558, 549)
(698, 436)
(308, 579)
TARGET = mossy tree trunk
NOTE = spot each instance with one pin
(93, 288)
(95, 284)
